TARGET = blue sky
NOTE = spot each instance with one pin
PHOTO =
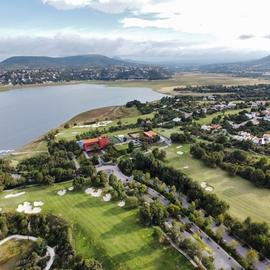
(152, 30)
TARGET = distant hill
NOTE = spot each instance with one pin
(259, 67)
(79, 61)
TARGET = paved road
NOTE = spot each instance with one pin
(261, 265)
(221, 256)
(50, 251)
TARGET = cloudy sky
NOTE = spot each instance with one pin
(151, 30)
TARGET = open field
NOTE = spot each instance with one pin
(189, 79)
(11, 252)
(103, 230)
(129, 116)
(112, 113)
(244, 198)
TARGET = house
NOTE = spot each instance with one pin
(216, 126)
(89, 145)
(150, 134)
(206, 127)
(177, 120)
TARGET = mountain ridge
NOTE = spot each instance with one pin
(77, 61)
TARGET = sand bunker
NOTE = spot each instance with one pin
(203, 184)
(206, 187)
(71, 188)
(38, 203)
(13, 195)
(107, 197)
(93, 192)
(61, 192)
(1, 210)
(28, 208)
(180, 146)
(179, 153)
(121, 204)
(186, 167)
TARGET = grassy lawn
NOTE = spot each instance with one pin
(244, 198)
(121, 147)
(208, 119)
(103, 230)
(12, 251)
(70, 133)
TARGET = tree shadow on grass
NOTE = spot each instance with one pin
(87, 204)
(125, 226)
(113, 211)
(125, 257)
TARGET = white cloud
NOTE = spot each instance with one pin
(67, 4)
(224, 19)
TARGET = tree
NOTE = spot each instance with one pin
(159, 234)
(159, 212)
(174, 210)
(234, 244)
(145, 214)
(131, 146)
(220, 232)
(126, 166)
(252, 256)
(3, 227)
(79, 183)
(131, 202)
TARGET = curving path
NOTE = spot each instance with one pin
(50, 250)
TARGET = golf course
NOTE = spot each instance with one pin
(244, 198)
(101, 229)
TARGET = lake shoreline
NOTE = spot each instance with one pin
(166, 86)
(34, 112)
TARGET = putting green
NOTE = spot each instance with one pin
(102, 229)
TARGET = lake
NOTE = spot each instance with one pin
(27, 113)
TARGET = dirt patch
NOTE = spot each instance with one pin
(102, 114)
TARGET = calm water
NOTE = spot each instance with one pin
(28, 113)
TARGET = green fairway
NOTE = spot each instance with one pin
(244, 198)
(102, 229)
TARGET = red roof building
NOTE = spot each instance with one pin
(92, 144)
(150, 134)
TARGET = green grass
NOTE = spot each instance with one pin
(103, 230)
(208, 119)
(244, 198)
(121, 147)
(70, 133)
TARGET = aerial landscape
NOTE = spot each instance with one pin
(134, 135)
